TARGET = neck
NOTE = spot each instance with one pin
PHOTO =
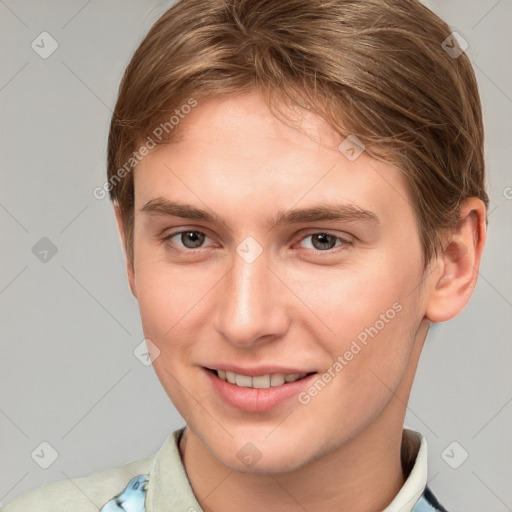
(361, 476)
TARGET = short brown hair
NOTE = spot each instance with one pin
(376, 69)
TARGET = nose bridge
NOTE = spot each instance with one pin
(248, 309)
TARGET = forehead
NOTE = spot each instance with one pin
(234, 152)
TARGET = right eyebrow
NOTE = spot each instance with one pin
(161, 206)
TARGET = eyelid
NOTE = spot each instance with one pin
(318, 231)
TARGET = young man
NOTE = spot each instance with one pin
(299, 186)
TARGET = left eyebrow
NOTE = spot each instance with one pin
(323, 212)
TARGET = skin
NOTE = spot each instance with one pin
(295, 305)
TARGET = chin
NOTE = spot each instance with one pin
(262, 456)
(274, 464)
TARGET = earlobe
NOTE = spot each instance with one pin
(130, 270)
(459, 263)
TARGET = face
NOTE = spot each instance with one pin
(265, 256)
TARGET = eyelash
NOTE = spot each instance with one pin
(344, 242)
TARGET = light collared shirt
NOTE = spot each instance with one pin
(159, 483)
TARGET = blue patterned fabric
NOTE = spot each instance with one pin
(423, 505)
(132, 499)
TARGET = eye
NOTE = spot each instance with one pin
(319, 241)
(189, 239)
(325, 241)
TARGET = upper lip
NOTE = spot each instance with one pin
(258, 370)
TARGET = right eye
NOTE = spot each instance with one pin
(189, 239)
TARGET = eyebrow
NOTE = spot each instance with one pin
(322, 212)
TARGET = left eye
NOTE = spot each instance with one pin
(324, 241)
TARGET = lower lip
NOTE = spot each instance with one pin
(256, 400)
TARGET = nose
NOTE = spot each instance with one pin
(251, 304)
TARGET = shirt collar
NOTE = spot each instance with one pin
(170, 489)
(414, 463)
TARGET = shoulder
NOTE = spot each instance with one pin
(82, 494)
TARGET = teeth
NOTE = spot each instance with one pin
(259, 381)
(277, 379)
(230, 377)
(244, 381)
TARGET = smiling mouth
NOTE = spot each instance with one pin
(258, 381)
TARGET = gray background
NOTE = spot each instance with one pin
(69, 326)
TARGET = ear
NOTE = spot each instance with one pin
(459, 262)
(130, 270)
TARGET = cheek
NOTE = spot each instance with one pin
(164, 290)
(166, 304)
(367, 316)
(368, 354)
(164, 299)
(174, 303)
(345, 301)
